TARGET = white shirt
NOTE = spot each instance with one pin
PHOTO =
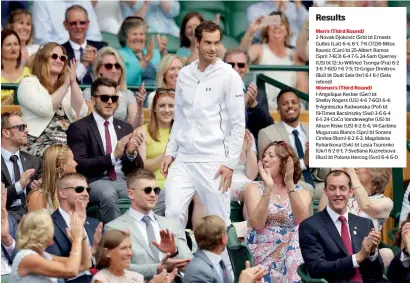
(216, 263)
(143, 228)
(303, 139)
(113, 135)
(81, 69)
(6, 156)
(5, 266)
(209, 115)
(335, 218)
(67, 220)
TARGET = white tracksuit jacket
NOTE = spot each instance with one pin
(209, 115)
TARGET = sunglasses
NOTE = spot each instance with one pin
(78, 189)
(81, 23)
(105, 98)
(21, 127)
(240, 65)
(63, 58)
(109, 66)
(148, 190)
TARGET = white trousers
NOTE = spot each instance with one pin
(186, 178)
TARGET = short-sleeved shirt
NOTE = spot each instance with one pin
(126, 98)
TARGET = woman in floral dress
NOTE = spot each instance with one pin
(50, 99)
(275, 208)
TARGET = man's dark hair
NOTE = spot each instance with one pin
(282, 92)
(207, 26)
(102, 82)
(75, 7)
(338, 173)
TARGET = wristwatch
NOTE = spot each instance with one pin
(175, 254)
(292, 190)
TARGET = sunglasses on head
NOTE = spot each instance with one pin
(74, 23)
(21, 127)
(240, 65)
(161, 89)
(78, 189)
(148, 190)
(105, 98)
(55, 56)
(109, 66)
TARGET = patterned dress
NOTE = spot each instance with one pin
(276, 246)
(55, 133)
(355, 209)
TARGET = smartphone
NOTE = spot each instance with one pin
(273, 20)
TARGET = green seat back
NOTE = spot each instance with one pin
(238, 252)
(230, 42)
(111, 39)
(93, 211)
(123, 204)
(236, 212)
(208, 16)
(213, 6)
(5, 278)
(302, 272)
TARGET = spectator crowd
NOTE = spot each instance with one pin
(210, 141)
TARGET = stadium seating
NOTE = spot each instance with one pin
(302, 272)
(111, 39)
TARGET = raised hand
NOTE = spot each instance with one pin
(36, 184)
(217, 19)
(252, 274)
(162, 43)
(25, 177)
(170, 264)
(150, 49)
(164, 277)
(355, 179)
(266, 178)
(256, 25)
(249, 139)
(4, 218)
(135, 141)
(289, 173)
(72, 71)
(251, 95)
(306, 157)
(167, 244)
(141, 94)
(97, 238)
(119, 148)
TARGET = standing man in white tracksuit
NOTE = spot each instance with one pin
(208, 131)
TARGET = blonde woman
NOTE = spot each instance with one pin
(110, 65)
(167, 74)
(33, 264)
(58, 160)
(274, 50)
(21, 22)
(50, 99)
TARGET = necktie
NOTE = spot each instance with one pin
(16, 171)
(151, 236)
(225, 273)
(306, 174)
(346, 240)
(108, 149)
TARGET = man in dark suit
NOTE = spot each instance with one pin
(78, 47)
(339, 246)
(399, 268)
(106, 149)
(18, 168)
(257, 112)
(70, 188)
